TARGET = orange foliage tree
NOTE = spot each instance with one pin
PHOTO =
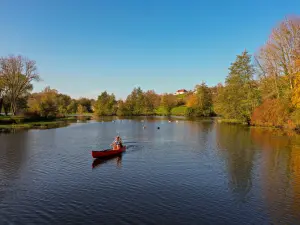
(296, 91)
(272, 112)
(192, 101)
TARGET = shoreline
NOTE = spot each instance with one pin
(8, 123)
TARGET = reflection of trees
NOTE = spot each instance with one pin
(280, 172)
(295, 168)
(198, 131)
(13, 149)
(236, 148)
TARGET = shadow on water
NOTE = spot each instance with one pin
(117, 159)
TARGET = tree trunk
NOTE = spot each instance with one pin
(1, 104)
(276, 86)
(6, 108)
(13, 106)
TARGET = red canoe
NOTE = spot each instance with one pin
(108, 152)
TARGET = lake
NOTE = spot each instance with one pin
(186, 172)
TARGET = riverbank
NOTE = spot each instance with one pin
(22, 122)
(231, 121)
(287, 128)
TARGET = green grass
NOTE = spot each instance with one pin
(179, 111)
(84, 114)
(161, 111)
(181, 96)
(39, 125)
(232, 121)
(21, 122)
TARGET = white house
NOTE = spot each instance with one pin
(181, 91)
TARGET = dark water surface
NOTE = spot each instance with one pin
(190, 172)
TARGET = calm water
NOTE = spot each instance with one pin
(190, 172)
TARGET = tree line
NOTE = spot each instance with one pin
(263, 89)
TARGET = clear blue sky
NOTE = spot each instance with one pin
(85, 47)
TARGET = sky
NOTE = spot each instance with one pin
(83, 48)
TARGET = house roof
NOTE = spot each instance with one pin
(182, 90)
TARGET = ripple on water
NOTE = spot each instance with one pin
(186, 173)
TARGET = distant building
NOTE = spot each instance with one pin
(181, 91)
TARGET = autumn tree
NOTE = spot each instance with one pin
(17, 73)
(168, 101)
(44, 104)
(296, 91)
(2, 92)
(81, 109)
(276, 61)
(87, 103)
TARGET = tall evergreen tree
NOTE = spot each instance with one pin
(240, 95)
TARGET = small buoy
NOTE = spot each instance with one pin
(169, 121)
(158, 128)
(176, 121)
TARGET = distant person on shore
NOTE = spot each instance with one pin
(117, 143)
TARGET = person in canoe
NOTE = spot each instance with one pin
(117, 143)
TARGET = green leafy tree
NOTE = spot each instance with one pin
(122, 109)
(72, 107)
(203, 104)
(151, 102)
(105, 105)
(63, 101)
(238, 98)
(135, 101)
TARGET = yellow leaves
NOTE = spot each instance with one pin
(81, 109)
(298, 63)
(192, 101)
(296, 91)
(34, 105)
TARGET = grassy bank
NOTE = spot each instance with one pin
(231, 121)
(21, 122)
(179, 111)
(31, 125)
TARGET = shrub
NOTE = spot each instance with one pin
(272, 112)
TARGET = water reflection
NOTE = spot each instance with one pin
(280, 171)
(206, 173)
(99, 162)
(236, 148)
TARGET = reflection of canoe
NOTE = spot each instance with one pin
(100, 161)
(108, 152)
